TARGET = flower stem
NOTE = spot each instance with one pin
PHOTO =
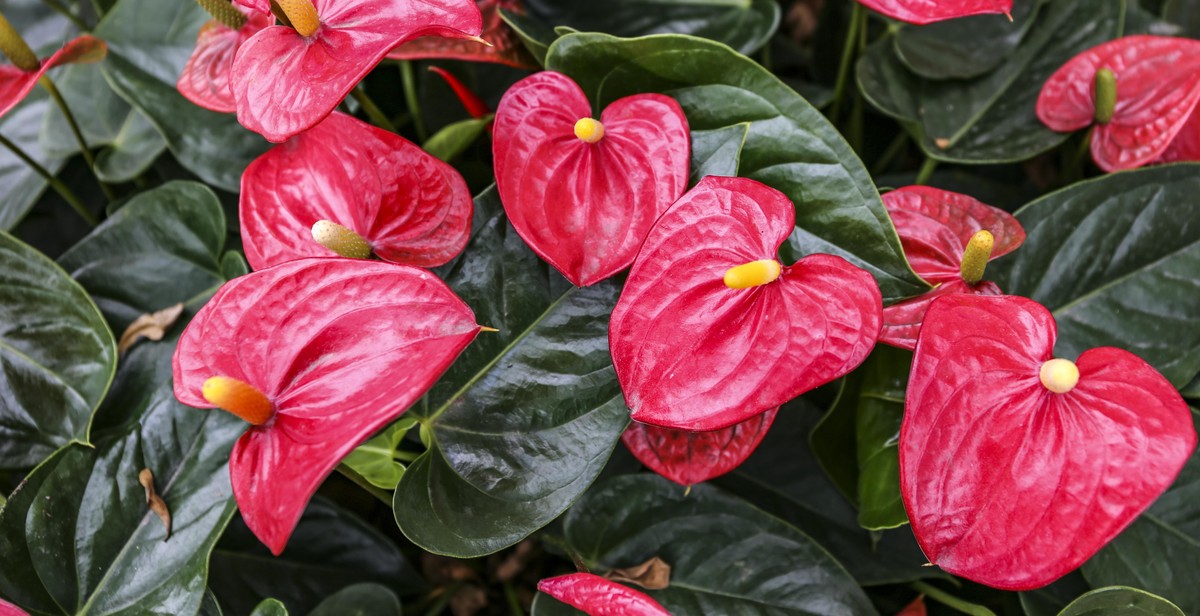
(383, 495)
(889, 155)
(60, 8)
(54, 182)
(410, 97)
(83, 146)
(926, 172)
(858, 19)
(378, 118)
(949, 600)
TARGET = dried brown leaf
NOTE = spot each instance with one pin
(152, 326)
(155, 502)
(654, 574)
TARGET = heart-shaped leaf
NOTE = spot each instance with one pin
(964, 48)
(1019, 517)
(1117, 261)
(360, 599)
(57, 356)
(1120, 601)
(526, 418)
(717, 151)
(136, 145)
(19, 183)
(585, 203)
(787, 144)
(923, 12)
(375, 460)
(747, 349)
(599, 596)
(693, 457)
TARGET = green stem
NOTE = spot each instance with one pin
(83, 146)
(405, 456)
(570, 551)
(514, 602)
(926, 172)
(54, 182)
(893, 150)
(378, 118)
(349, 473)
(857, 20)
(1076, 167)
(410, 97)
(75, 19)
(949, 600)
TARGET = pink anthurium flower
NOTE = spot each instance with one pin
(1015, 466)
(584, 193)
(347, 188)
(503, 46)
(287, 79)
(927, 11)
(597, 596)
(711, 329)
(9, 609)
(688, 458)
(317, 355)
(20, 77)
(1141, 92)
(205, 77)
(948, 239)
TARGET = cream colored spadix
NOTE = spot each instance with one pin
(976, 255)
(342, 240)
(15, 48)
(589, 130)
(752, 274)
(302, 14)
(1059, 375)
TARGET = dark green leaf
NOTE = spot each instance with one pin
(1192, 390)
(454, 139)
(834, 442)
(19, 183)
(789, 145)
(1050, 600)
(880, 410)
(359, 600)
(744, 25)
(270, 607)
(1121, 601)
(133, 149)
(233, 264)
(375, 460)
(1185, 14)
(726, 555)
(97, 110)
(535, 35)
(717, 151)
(57, 356)
(967, 47)
(209, 605)
(525, 419)
(1117, 260)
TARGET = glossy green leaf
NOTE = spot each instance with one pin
(1185, 14)
(880, 409)
(718, 151)
(163, 247)
(964, 48)
(453, 139)
(79, 538)
(359, 600)
(331, 549)
(1050, 600)
(526, 418)
(233, 264)
(1192, 390)
(209, 605)
(1120, 601)
(57, 356)
(744, 25)
(375, 459)
(834, 439)
(1117, 261)
(726, 555)
(1160, 551)
(270, 607)
(98, 111)
(19, 183)
(788, 145)
(992, 118)
(535, 35)
(133, 149)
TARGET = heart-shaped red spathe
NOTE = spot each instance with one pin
(15, 84)
(1008, 483)
(694, 354)
(411, 207)
(1158, 87)
(205, 77)
(934, 226)
(586, 207)
(598, 596)
(504, 46)
(925, 11)
(285, 83)
(341, 347)
(688, 458)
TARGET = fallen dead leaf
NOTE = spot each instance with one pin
(152, 326)
(654, 574)
(156, 503)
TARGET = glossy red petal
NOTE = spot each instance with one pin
(15, 84)
(693, 354)
(470, 101)
(1186, 144)
(205, 77)
(260, 6)
(586, 207)
(935, 225)
(505, 46)
(597, 596)
(902, 321)
(1009, 484)
(411, 207)
(285, 83)
(1158, 86)
(929, 11)
(340, 346)
(688, 458)
(9, 609)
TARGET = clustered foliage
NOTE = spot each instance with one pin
(625, 307)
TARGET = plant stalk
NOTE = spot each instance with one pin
(378, 118)
(63, 191)
(48, 84)
(949, 600)
(349, 473)
(926, 172)
(857, 20)
(410, 97)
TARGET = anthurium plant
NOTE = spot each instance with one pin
(840, 307)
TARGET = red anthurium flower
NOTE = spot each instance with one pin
(285, 80)
(712, 330)
(503, 45)
(205, 77)
(18, 78)
(927, 11)
(598, 596)
(584, 193)
(347, 188)
(1015, 467)
(948, 238)
(469, 99)
(1140, 91)
(8, 609)
(688, 458)
(317, 354)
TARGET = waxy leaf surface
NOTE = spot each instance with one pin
(926, 11)
(340, 347)
(411, 208)
(788, 141)
(285, 83)
(964, 48)
(586, 207)
(694, 354)
(1038, 481)
(598, 596)
(693, 457)
(1120, 601)
(206, 76)
(1158, 87)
